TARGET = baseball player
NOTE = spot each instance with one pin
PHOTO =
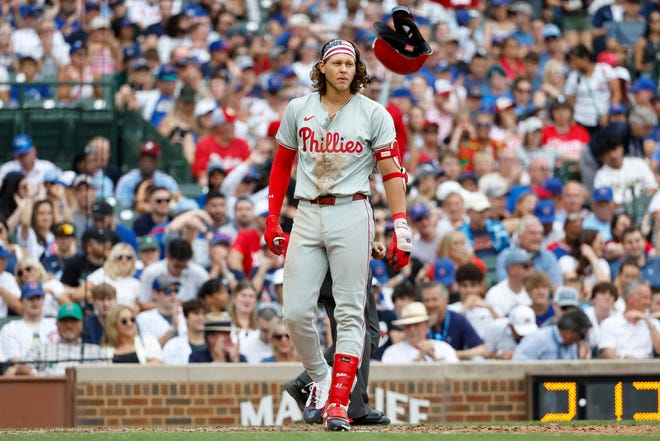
(338, 135)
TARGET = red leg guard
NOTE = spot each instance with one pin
(343, 378)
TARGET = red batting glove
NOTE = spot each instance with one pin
(276, 239)
(401, 244)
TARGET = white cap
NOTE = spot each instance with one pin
(523, 320)
(477, 201)
(448, 187)
(204, 106)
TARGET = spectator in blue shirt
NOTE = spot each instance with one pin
(557, 342)
(486, 237)
(530, 239)
(451, 327)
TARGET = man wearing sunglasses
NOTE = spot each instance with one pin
(166, 320)
(511, 292)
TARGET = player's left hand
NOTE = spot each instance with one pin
(401, 245)
(276, 239)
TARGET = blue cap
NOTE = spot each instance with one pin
(545, 211)
(499, 2)
(22, 144)
(194, 11)
(30, 11)
(31, 290)
(219, 46)
(133, 51)
(419, 211)
(551, 30)
(4, 252)
(275, 83)
(443, 66)
(643, 84)
(553, 185)
(92, 5)
(76, 46)
(379, 270)
(287, 71)
(464, 16)
(221, 239)
(444, 271)
(252, 175)
(164, 282)
(139, 63)
(427, 169)
(403, 92)
(516, 256)
(167, 73)
(53, 176)
(603, 194)
(618, 109)
(126, 22)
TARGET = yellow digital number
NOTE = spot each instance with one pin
(648, 385)
(571, 389)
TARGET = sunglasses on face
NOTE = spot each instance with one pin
(27, 269)
(281, 336)
(526, 265)
(160, 201)
(126, 257)
(483, 125)
(126, 321)
(170, 291)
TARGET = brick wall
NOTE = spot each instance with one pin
(251, 395)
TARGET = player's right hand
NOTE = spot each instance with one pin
(276, 239)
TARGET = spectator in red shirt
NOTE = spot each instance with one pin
(400, 103)
(565, 136)
(246, 250)
(221, 145)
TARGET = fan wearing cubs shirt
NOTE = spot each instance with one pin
(338, 136)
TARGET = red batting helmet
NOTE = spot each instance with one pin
(402, 50)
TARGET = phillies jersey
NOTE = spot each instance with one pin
(335, 157)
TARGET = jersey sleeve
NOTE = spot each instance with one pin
(287, 133)
(383, 128)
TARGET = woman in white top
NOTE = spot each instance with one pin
(243, 311)
(33, 233)
(118, 271)
(30, 270)
(586, 261)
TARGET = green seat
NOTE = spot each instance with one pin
(638, 207)
(491, 277)
(569, 171)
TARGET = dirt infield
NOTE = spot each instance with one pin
(587, 429)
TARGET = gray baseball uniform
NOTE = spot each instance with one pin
(335, 158)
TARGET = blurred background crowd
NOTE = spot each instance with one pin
(530, 137)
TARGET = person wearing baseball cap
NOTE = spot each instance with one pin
(52, 358)
(95, 245)
(602, 213)
(148, 168)
(506, 333)
(481, 225)
(17, 336)
(556, 342)
(26, 161)
(148, 253)
(221, 143)
(416, 347)
(510, 292)
(103, 216)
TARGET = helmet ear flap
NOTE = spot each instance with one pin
(402, 50)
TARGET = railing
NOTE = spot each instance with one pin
(61, 130)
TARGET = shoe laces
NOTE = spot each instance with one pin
(318, 392)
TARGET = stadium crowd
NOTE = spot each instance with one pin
(530, 137)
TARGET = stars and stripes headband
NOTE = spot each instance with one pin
(335, 47)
